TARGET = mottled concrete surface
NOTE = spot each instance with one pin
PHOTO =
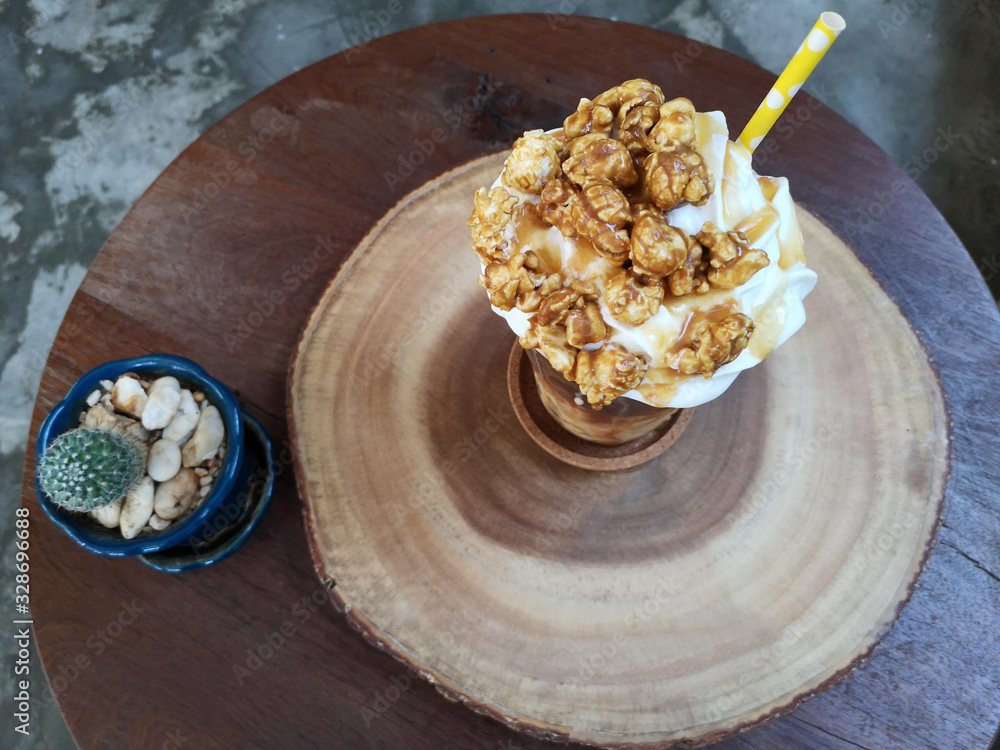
(98, 97)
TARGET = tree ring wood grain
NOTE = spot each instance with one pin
(556, 441)
(755, 564)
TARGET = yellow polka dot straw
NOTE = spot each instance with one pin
(810, 52)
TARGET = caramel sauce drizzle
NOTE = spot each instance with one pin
(531, 232)
(757, 224)
(663, 385)
(715, 314)
(664, 382)
(769, 322)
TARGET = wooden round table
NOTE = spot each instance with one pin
(221, 261)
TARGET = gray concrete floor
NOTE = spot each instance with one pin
(97, 97)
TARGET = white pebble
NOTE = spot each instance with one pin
(205, 480)
(157, 523)
(107, 385)
(175, 496)
(128, 397)
(94, 397)
(185, 420)
(164, 460)
(161, 406)
(109, 514)
(203, 492)
(207, 437)
(137, 509)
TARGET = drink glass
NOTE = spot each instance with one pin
(621, 421)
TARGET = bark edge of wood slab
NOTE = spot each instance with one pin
(754, 565)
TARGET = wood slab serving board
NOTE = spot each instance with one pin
(754, 564)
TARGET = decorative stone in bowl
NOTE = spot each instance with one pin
(196, 481)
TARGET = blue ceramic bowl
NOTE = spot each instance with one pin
(233, 476)
(237, 518)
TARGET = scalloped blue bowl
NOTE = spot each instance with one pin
(209, 517)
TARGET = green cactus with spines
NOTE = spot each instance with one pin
(85, 469)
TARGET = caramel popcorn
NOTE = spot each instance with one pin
(633, 299)
(636, 126)
(722, 246)
(642, 209)
(533, 162)
(556, 205)
(555, 307)
(713, 344)
(564, 207)
(677, 175)
(606, 203)
(586, 289)
(692, 276)
(563, 142)
(585, 326)
(492, 214)
(732, 263)
(531, 301)
(600, 158)
(635, 90)
(551, 342)
(609, 176)
(674, 125)
(608, 373)
(657, 249)
(589, 118)
(512, 283)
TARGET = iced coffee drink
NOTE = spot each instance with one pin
(639, 257)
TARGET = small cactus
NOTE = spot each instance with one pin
(85, 469)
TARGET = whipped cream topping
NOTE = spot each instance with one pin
(761, 208)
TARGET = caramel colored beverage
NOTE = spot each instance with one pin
(639, 259)
(621, 421)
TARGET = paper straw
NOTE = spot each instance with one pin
(810, 52)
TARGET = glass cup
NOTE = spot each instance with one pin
(621, 421)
